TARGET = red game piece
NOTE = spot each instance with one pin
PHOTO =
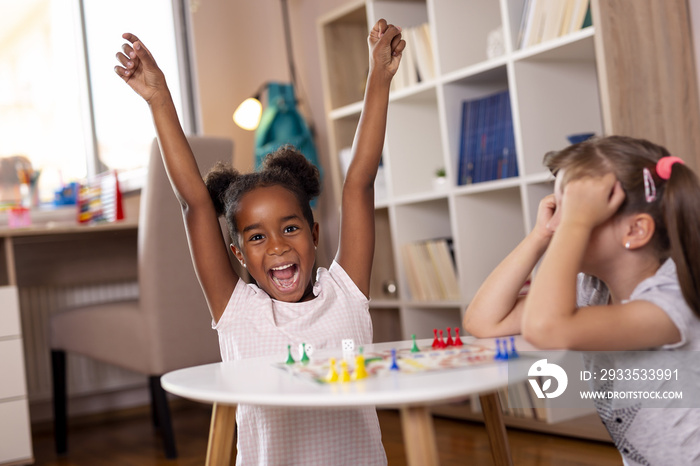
(436, 343)
(458, 342)
(441, 342)
(449, 337)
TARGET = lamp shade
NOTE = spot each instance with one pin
(248, 113)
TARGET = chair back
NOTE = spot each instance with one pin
(170, 294)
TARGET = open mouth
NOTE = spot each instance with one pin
(284, 276)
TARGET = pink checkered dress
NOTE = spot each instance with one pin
(253, 325)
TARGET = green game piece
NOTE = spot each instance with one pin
(361, 349)
(290, 359)
(415, 346)
(367, 361)
(304, 356)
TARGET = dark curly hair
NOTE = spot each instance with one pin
(285, 167)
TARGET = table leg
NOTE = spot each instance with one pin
(221, 432)
(496, 430)
(419, 436)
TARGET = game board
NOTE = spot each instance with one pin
(379, 364)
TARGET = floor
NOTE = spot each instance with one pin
(128, 439)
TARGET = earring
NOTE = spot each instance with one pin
(627, 245)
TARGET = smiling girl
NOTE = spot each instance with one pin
(274, 237)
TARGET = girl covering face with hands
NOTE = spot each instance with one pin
(619, 244)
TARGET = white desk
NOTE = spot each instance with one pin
(256, 381)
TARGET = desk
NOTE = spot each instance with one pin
(47, 256)
(256, 381)
(68, 253)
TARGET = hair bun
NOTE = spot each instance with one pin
(287, 159)
(217, 181)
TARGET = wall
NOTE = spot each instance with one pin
(238, 45)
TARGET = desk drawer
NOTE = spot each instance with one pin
(12, 383)
(9, 312)
(15, 433)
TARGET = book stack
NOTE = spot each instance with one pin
(487, 144)
(430, 269)
(418, 63)
(545, 20)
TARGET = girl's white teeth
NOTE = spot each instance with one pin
(282, 267)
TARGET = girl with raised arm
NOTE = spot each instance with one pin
(274, 236)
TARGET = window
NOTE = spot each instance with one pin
(61, 104)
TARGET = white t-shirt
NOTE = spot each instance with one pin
(253, 324)
(650, 435)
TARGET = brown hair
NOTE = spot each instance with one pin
(676, 210)
(285, 167)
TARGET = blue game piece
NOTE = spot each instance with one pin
(513, 353)
(394, 365)
(501, 353)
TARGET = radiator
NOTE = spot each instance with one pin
(85, 376)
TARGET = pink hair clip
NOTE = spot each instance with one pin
(664, 165)
(649, 186)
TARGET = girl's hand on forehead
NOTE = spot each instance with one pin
(592, 200)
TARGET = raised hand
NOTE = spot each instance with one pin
(139, 69)
(385, 47)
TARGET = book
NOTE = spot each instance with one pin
(423, 51)
(487, 142)
(553, 19)
(537, 21)
(568, 14)
(430, 270)
(527, 22)
(579, 15)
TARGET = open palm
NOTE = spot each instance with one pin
(139, 69)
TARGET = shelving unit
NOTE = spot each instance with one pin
(601, 79)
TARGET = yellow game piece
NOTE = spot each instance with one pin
(360, 370)
(344, 374)
(332, 373)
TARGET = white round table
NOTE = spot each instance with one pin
(257, 381)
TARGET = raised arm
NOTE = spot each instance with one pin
(209, 254)
(356, 249)
(497, 307)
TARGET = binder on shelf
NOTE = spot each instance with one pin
(487, 143)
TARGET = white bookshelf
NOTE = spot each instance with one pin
(590, 80)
